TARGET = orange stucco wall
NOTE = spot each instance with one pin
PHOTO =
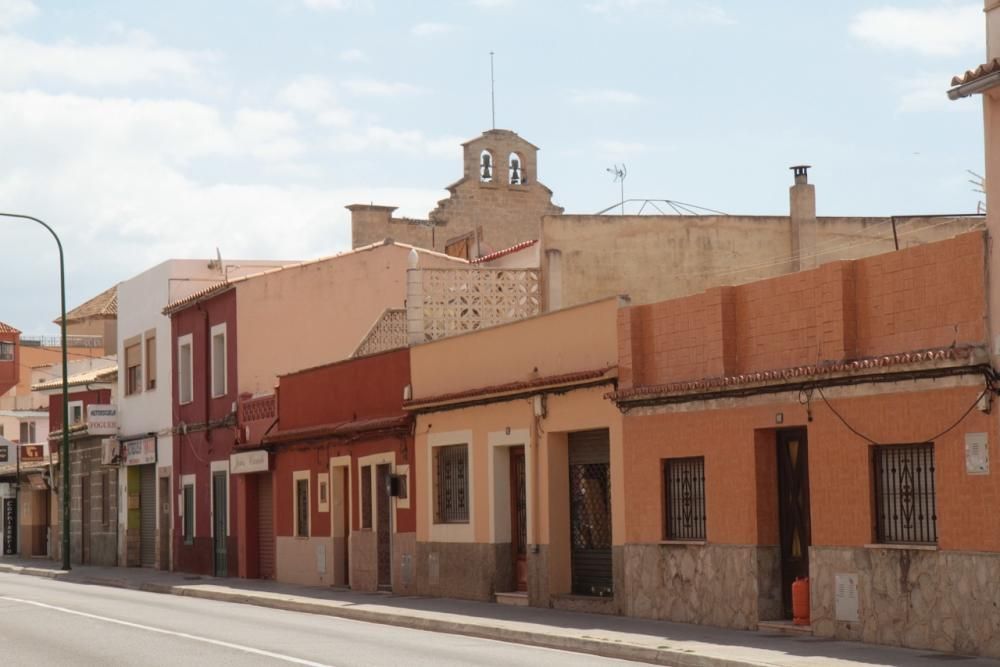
(739, 449)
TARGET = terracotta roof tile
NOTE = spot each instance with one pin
(506, 251)
(797, 373)
(101, 375)
(104, 306)
(6, 328)
(351, 430)
(973, 74)
(514, 387)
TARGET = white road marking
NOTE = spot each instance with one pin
(162, 631)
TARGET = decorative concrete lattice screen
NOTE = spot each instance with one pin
(445, 302)
(388, 333)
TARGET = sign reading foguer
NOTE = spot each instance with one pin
(102, 419)
(9, 526)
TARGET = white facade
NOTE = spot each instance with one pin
(145, 410)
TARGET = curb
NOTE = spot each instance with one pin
(592, 646)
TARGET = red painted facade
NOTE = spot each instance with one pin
(10, 370)
(87, 396)
(205, 431)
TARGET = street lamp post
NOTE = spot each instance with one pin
(64, 449)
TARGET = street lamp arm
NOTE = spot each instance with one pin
(64, 449)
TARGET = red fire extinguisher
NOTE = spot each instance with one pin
(800, 601)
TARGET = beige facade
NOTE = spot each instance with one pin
(490, 208)
(525, 386)
(317, 312)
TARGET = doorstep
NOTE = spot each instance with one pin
(784, 627)
(516, 598)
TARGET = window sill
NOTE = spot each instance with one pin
(904, 547)
(682, 543)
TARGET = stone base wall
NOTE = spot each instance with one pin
(363, 560)
(404, 553)
(466, 570)
(729, 586)
(941, 600)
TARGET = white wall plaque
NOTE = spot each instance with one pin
(846, 597)
(977, 454)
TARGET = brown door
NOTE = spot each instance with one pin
(164, 561)
(147, 515)
(793, 510)
(518, 518)
(265, 527)
(382, 473)
(84, 519)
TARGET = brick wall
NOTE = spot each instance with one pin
(922, 297)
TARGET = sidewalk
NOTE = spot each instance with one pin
(642, 640)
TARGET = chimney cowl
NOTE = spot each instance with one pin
(801, 173)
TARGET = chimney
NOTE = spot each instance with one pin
(802, 213)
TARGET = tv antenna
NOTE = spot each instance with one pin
(493, 95)
(619, 173)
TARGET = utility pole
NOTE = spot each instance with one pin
(64, 450)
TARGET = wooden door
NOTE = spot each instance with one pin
(793, 510)
(219, 522)
(265, 527)
(384, 528)
(84, 519)
(518, 518)
(147, 516)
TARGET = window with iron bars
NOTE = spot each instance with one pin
(905, 499)
(452, 484)
(684, 498)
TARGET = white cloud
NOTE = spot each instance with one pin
(353, 56)
(315, 95)
(135, 61)
(380, 88)
(678, 12)
(13, 12)
(604, 96)
(926, 92)
(945, 30)
(430, 29)
(405, 141)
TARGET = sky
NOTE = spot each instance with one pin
(143, 131)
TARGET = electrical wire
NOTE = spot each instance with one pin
(872, 441)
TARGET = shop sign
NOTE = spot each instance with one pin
(32, 453)
(244, 462)
(140, 452)
(9, 526)
(102, 419)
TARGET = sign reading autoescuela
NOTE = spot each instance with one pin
(9, 526)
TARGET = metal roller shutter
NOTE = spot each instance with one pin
(147, 516)
(265, 527)
(590, 512)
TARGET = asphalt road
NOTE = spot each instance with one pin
(45, 622)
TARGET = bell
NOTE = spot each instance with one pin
(486, 171)
(515, 172)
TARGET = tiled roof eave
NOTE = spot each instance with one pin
(929, 363)
(978, 80)
(506, 391)
(353, 430)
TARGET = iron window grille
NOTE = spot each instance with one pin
(6, 351)
(452, 488)
(684, 496)
(302, 508)
(366, 496)
(905, 499)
